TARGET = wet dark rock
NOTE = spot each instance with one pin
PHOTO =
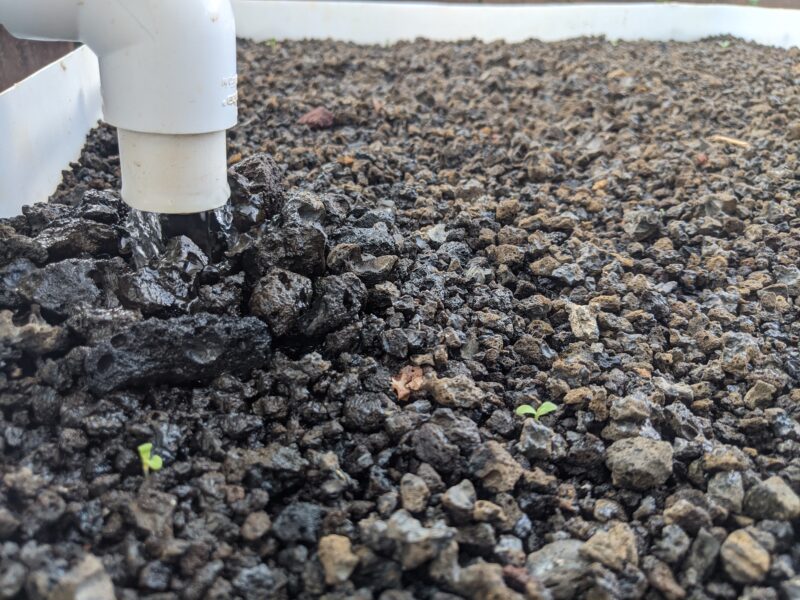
(367, 411)
(60, 287)
(297, 247)
(154, 292)
(257, 189)
(179, 350)
(96, 324)
(17, 247)
(338, 299)
(280, 297)
(10, 277)
(74, 238)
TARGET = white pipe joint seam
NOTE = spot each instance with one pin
(168, 78)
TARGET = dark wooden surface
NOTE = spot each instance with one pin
(19, 58)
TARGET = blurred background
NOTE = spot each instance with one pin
(18, 58)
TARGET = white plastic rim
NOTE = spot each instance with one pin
(388, 22)
(173, 174)
(44, 120)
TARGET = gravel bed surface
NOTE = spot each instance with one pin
(422, 238)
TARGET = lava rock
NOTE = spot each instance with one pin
(338, 299)
(456, 392)
(772, 499)
(88, 580)
(460, 500)
(639, 463)
(74, 238)
(60, 287)
(257, 189)
(179, 350)
(495, 467)
(299, 522)
(337, 558)
(280, 297)
(416, 544)
(560, 567)
(536, 440)
(743, 558)
(414, 493)
(615, 548)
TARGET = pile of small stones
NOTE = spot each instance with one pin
(422, 238)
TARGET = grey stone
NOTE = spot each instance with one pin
(639, 463)
(416, 544)
(496, 468)
(460, 499)
(560, 567)
(414, 493)
(88, 580)
(772, 499)
(299, 522)
(726, 489)
(535, 440)
(744, 559)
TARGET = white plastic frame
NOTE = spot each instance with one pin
(44, 120)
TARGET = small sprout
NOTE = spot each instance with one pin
(526, 409)
(545, 408)
(149, 461)
(724, 44)
(272, 43)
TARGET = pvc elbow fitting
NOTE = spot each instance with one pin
(168, 76)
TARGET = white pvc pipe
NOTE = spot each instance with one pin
(168, 75)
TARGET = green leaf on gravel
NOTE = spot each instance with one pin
(545, 409)
(525, 409)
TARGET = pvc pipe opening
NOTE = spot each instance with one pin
(173, 174)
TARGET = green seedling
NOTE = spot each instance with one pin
(150, 461)
(545, 408)
(724, 44)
